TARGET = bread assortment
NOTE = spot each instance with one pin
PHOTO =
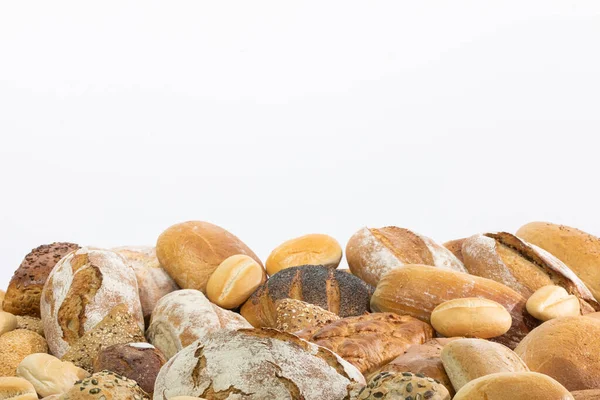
(490, 316)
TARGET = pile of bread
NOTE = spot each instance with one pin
(492, 316)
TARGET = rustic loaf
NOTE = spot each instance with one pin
(294, 315)
(455, 246)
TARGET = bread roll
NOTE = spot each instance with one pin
(314, 249)
(16, 389)
(468, 359)
(8, 322)
(471, 317)
(372, 252)
(191, 251)
(417, 289)
(294, 315)
(234, 280)
(15, 346)
(48, 374)
(261, 364)
(550, 302)
(455, 246)
(81, 290)
(105, 385)
(567, 349)
(25, 288)
(335, 291)
(186, 315)
(592, 394)
(513, 386)
(406, 385)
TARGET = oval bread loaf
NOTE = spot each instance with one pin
(549, 302)
(471, 317)
(313, 249)
(234, 280)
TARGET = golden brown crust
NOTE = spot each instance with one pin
(471, 317)
(234, 280)
(313, 249)
(455, 246)
(15, 346)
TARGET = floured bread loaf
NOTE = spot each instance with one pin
(294, 315)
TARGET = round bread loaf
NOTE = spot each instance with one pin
(314, 249)
(48, 374)
(15, 346)
(25, 288)
(471, 317)
(16, 389)
(105, 385)
(191, 251)
(234, 280)
(549, 302)
(186, 315)
(81, 290)
(335, 291)
(257, 364)
(591, 394)
(405, 385)
(513, 386)
(567, 349)
(372, 252)
(8, 322)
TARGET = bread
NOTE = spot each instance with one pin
(16, 389)
(153, 281)
(513, 386)
(406, 385)
(577, 249)
(372, 340)
(521, 266)
(191, 251)
(186, 398)
(2, 294)
(25, 288)
(8, 322)
(550, 302)
(372, 252)
(186, 315)
(81, 290)
(257, 364)
(567, 349)
(105, 385)
(117, 327)
(467, 359)
(48, 374)
(15, 346)
(138, 361)
(455, 246)
(591, 394)
(471, 317)
(30, 323)
(417, 289)
(234, 280)
(335, 291)
(314, 249)
(53, 397)
(294, 315)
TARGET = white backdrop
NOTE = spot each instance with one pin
(276, 119)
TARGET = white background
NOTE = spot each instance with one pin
(277, 119)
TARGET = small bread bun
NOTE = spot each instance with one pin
(234, 281)
(8, 322)
(16, 389)
(513, 386)
(313, 249)
(471, 317)
(549, 302)
(48, 374)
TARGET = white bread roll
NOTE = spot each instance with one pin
(48, 374)
(12, 388)
(471, 317)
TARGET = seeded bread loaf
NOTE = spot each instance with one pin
(405, 385)
(294, 315)
(15, 346)
(105, 385)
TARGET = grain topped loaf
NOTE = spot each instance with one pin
(294, 315)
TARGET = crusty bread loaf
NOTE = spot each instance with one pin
(567, 349)
(417, 289)
(313, 249)
(260, 364)
(191, 251)
(294, 315)
(335, 291)
(471, 317)
(234, 280)
(105, 385)
(15, 346)
(25, 288)
(468, 359)
(372, 340)
(81, 290)
(12, 388)
(549, 302)
(521, 266)
(591, 394)
(513, 386)
(372, 252)
(455, 246)
(48, 374)
(402, 386)
(186, 315)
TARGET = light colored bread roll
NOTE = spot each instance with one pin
(48, 374)
(591, 394)
(417, 289)
(372, 252)
(513, 386)
(8, 322)
(405, 385)
(234, 280)
(471, 317)
(81, 290)
(455, 246)
(16, 389)
(567, 349)
(191, 251)
(577, 249)
(15, 346)
(549, 302)
(468, 359)
(314, 249)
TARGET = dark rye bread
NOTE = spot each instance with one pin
(335, 291)
(25, 288)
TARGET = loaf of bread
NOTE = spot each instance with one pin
(234, 280)
(48, 374)
(468, 359)
(335, 291)
(372, 252)
(81, 290)
(549, 302)
(455, 246)
(191, 251)
(12, 388)
(591, 394)
(406, 385)
(417, 289)
(25, 288)
(372, 340)
(314, 249)
(15, 346)
(521, 266)
(105, 385)
(184, 316)
(471, 317)
(257, 364)
(567, 349)
(295, 315)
